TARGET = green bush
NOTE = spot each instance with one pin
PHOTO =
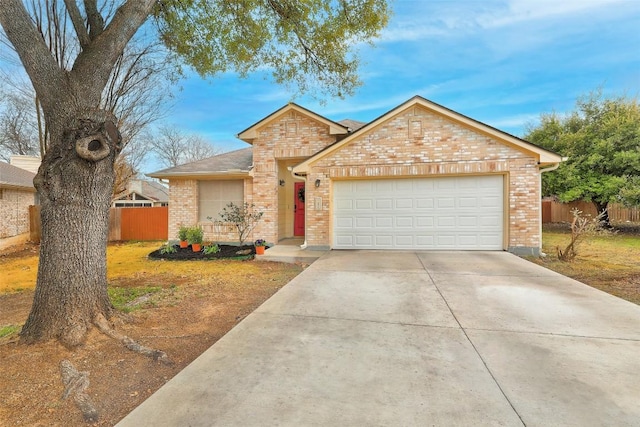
(183, 231)
(195, 235)
(212, 249)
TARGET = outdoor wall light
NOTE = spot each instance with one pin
(317, 183)
(281, 183)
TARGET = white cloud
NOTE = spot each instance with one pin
(519, 12)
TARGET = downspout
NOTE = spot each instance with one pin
(304, 179)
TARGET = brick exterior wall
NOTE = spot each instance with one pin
(14, 211)
(421, 143)
(415, 142)
(183, 210)
(291, 135)
(183, 205)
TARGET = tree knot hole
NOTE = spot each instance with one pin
(94, 145)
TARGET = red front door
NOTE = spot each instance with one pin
(298, 209)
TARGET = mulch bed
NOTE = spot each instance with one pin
(187, 254)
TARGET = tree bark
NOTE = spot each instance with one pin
(76, 177)
(75, 194)
(603, 209)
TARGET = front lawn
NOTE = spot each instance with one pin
(609, 263)
(181, 308)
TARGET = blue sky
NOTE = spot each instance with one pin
(500, 62)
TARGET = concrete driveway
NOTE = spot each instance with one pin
(369, 338)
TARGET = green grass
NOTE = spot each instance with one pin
(9, 330)
(123, 298)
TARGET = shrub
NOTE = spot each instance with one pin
(243, 217)
(183, 231)
(195, 235)
(168, 249)
(212, 249)
(580, 228)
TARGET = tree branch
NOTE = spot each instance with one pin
(96, 22)
(78, 23)
(47, 77)
(93, 65)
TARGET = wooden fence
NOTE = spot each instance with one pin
(553, 211)
(124, 223)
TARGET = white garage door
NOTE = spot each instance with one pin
(420, 213)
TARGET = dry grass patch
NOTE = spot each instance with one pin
(181, 308)
(609, 263)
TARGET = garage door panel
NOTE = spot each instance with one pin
(425, 241)
(490, 221)
(424, 203)
(404, 222)
(468, 240)
(425, 222)
(468, 221)
(344, 204)
(446, 202)
(384, 204)
(344, 222)
(364, 222)
(384, 240)
(421, 213)
(345, 240)
(383, 186)
(384, 222)
(363, 187)
(366, 240)
(490, 202)
(404, 241)
(446, 221)
(364, 204)
(404, 203)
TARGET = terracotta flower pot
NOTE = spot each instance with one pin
(260, 250)
(196, 247)
(184, 244)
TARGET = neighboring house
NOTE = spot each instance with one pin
(29, 163)
(419, 177)
(141, 193)
(17, 193)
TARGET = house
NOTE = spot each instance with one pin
(17, 193)
(420, 177)
(142, 193)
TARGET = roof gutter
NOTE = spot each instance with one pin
(554, 167)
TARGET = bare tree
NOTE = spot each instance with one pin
(138, 92)
(18, 126)
(172, 146)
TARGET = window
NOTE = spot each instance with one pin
(213, 196)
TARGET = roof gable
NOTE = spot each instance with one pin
(545, 157)
(251, 133)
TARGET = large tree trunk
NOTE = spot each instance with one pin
(603, 210)
(75, 183)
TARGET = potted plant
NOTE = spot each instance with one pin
(183, 232)
(260, 245)
(195, 235)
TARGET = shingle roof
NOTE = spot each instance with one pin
(353, 125)
(233, 161)
(14, 177)
(148, 189)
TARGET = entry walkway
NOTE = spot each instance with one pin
(289, 250)
(365, 338)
